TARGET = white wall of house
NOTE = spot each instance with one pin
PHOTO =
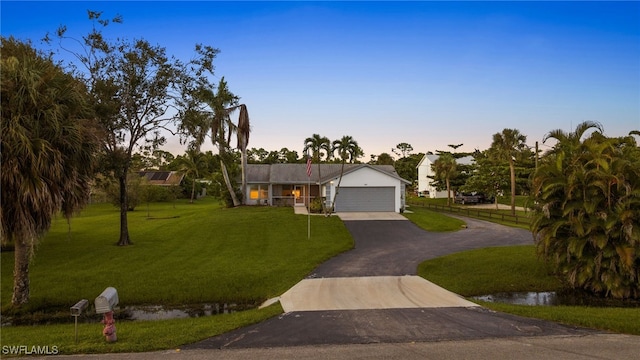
(364, 177)
(424, 182)
(424, 171)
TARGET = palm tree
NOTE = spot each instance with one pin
(587, 195)
(48, 151)
(318, 144)
(347, 149)
(508, 144)
(572, 140)
(198, 123)
(243, 130)
(190, 166)
(445, 168)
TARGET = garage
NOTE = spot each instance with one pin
(370, 198)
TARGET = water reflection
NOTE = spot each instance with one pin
(522, 298)
(159, 312)
(569, 298)
(148, 312)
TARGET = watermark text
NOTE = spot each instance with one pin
(29, 350)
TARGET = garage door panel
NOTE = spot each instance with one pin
(370, 198)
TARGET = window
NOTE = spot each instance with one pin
(328, 194)
(258, 192)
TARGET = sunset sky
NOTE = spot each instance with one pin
(425, 73)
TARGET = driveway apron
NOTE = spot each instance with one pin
(388, 251)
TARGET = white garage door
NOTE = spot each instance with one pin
(365, 199)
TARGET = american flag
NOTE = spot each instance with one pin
(309, 166)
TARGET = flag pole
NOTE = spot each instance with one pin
(308, 196)
(309, 208)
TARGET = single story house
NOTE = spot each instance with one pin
(363, 188)
(425, 183)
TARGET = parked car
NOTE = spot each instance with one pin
(467, 198)
(473, 198)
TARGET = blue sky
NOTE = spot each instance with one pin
(426, 73)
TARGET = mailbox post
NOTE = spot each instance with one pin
(76, 310)
(105, 303)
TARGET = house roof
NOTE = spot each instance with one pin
(297, 173)
(467, 160)
(162, 178)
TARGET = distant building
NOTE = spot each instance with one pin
(162, 178)
(425, 183)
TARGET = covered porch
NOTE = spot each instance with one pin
(281, 194)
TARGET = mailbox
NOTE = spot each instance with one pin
(79, 307)
(106, 301)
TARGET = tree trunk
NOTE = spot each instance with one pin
(225, 174)
(448, 192)
(243, 159)
(21, 256)
(193, 190)
(124, 225)
(324, 205)
(512, 168)
(333, 203)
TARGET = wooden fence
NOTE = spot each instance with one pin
(475, 213)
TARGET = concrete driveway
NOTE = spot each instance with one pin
(367, 216)
(371, 292)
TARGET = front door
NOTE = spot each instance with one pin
(298, 191)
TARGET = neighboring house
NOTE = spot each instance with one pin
(364, 187)
(162, 178)
(425, 183)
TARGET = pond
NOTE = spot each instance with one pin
(159, 312)
(552, 298)
(521, 298)
(128, 313)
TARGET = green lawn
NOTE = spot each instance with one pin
(195, 253)
(517, 269)
(501, 216)
(432, 220)
(133, 336)
(187, 254)
(521, 200)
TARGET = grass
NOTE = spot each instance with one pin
(133, 336)
(521, 200)
(517, 269)
(490, 270)
(206, 254)
(501, 216)
(432, 220)
(182, 254)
